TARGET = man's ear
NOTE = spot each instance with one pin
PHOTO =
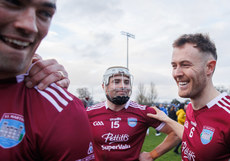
(103, 86)
(211, 65)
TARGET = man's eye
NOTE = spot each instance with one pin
(185, 65)
(117, 82)
(126, 82)
(173, 66)
(45, 14)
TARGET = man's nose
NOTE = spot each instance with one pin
(27, 22)
(177, 72)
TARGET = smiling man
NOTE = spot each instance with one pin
(206, 133)
(23, 26)
(35, 125)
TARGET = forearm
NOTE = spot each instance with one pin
(169, 142)
(177, 128)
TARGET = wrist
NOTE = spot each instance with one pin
(168, 120)
(154, 154)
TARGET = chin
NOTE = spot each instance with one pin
(183, 94)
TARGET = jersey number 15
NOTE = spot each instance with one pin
(115, 124)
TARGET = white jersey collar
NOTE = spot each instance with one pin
(21, 77)
(215, 100)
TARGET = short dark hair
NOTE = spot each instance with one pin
(201, 41)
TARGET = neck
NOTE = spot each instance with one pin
(7, 75)
(208, 94)
(114, 107)
(12, 72)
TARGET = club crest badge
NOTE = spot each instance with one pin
(207, 134)
(132, 122)
(12, 130)
(90, 150)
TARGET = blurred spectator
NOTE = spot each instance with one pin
(163, 108)
(172, 112)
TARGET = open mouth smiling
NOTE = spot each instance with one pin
(18, 44)
(181, 84)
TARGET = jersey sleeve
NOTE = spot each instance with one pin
(64, 130)
(158, 125)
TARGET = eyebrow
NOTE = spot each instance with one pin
(50, 5)
(46, 4)
(184, 61)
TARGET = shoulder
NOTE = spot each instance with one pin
(141, 108)
(135, 105)
(222, 102)
(58, 97)
(96, 106)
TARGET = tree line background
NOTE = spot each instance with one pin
(145, 96)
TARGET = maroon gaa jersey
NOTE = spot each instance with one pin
(49, 125)
(207, 131)
(119, 135)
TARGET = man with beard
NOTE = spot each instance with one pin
(119, 125)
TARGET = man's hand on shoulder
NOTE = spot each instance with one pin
(160, 115)
(45, 72)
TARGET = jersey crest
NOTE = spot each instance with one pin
(132, 122)
(12, 130)
(90, 150)
(206, 135)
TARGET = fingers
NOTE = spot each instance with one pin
(47, 67)
(36, 57)
(155, 116)
(152, 115)
(155, 108)
(160, 115)
(45, 72)
(62, 74)
(64, 83)
(51, 78)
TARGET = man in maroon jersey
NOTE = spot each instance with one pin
(206, 131)
(34, 124)
(119, 125)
